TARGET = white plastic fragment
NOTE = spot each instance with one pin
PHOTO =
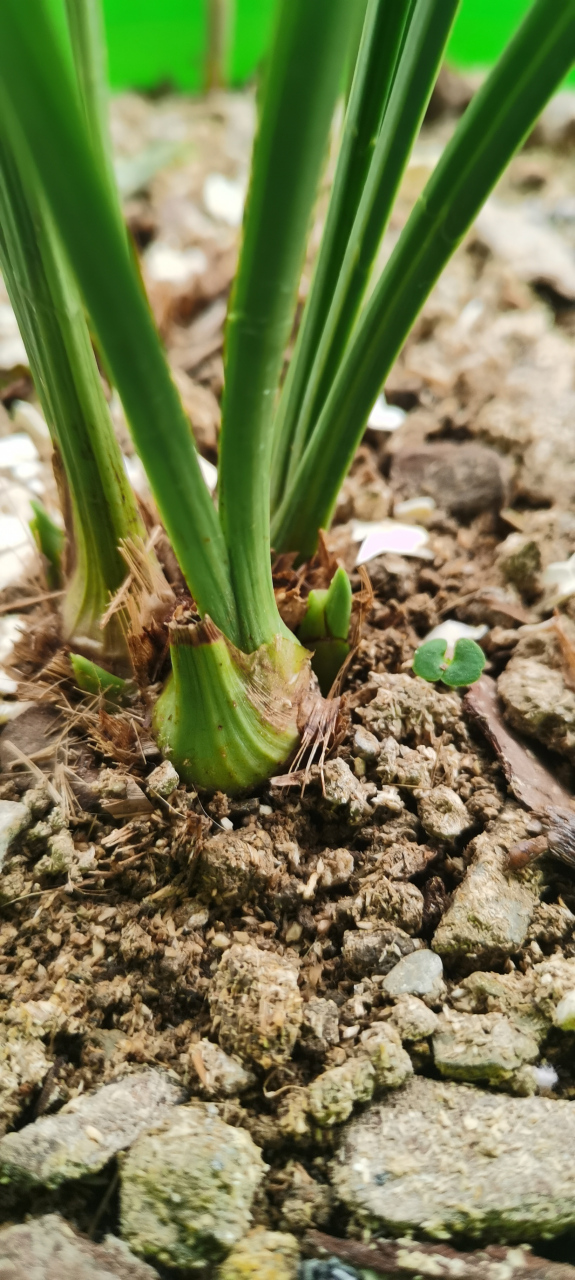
(419, 509)
(224, 199)
(452, 631)
(378, 537)
(384, 416)
(173, 266)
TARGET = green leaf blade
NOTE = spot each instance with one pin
(429, 660)
(466, 666)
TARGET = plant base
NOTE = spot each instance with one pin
(227, 720)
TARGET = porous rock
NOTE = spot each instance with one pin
(530, 1000)
(492, 908)
(48, 1249)
(342, 791)
(382, 1044)
(232, 867)
(418, 974)
(187, 1188)
(410, 709)
(396, 902)
(538, 703)
(447, 1159)
(262, 1255)
(321, 1020)
(375, 950)
(442, 813)
(85, 1134)
(219, 1075)
(333, 1094)
(23, 1066)
(14, 818)
(413, 1019)
(257, 1004)
(484, 1046)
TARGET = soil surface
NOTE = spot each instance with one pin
(290, 960)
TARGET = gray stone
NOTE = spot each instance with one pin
(187, 1188)
(84, 1136)
(14, 818)
(464, 479)
(483, 1046)
(48, 1249)
(375, 950)
(447, 1159)
(443, 814)
(418, 974)
(492, 908)
(365, 744)
(220, 1076)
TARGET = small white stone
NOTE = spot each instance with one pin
(26, 417)
(14, 817)
(165, 264)
(164, 779)
(17, 449)
(227, 824)
(418, 509)
(209, 472)
(384, 416)
(565, 1012)
(224, 199)
(559, 579)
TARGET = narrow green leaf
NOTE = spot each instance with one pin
(466, 664)
(86, 27)
(338, 605)
(303, 76)
(35, 83)
(413, 82)
(372, 82)
(51, 319)
(429, 660)
(501, 114)
(93, 679)
(313, 624)
(50, 541)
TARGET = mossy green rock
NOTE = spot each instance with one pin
(187, 1189)
(262, 1255)
(445, 1160)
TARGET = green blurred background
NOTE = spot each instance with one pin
(160, 42)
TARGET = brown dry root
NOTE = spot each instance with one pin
(407, 1258)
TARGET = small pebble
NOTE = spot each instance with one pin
(417, 974)
(565, 1012)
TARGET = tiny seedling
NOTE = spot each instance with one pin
(465, 667)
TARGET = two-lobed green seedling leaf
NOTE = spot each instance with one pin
(465, 667)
